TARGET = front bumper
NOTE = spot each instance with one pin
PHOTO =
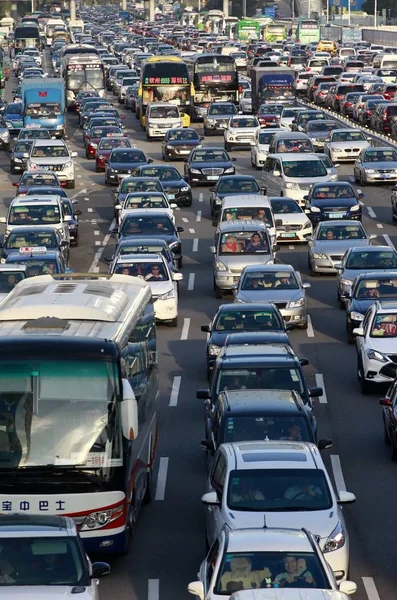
(338, 157)
(378, 372)
(373, 177)
(217, 126)
(319, 217)
(225, 280)
(205, 178)
(165, 310)
(175, 152)
(295, 315)
(297, 195)
(321, 265)
(339, 561)
(287, 237)
(243, 142)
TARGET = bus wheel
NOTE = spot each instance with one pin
(148, 492)
(130, 529)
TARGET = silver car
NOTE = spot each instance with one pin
(318, 131)
(376, 164)
(217, 118)
(279, 284)
(345, 144)
(330, 242)
(238, 244)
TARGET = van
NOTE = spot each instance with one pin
(317, 64)
(36, 211)
(160, 117)
(388, 61)
(246, 207)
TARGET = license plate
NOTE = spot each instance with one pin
(245, 141)
(387, 176)
(336, 215)
(287, 235)
(212, 177)
(171, 196)
(184, 151)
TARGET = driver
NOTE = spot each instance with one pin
(303, 491)
(296, 574)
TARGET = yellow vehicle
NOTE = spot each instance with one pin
(165, 79)
(327, 46)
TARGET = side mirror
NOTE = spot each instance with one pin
(306, 286)
(150, 160)
(100, 569)
(208, 446)
(129, 412)
(347, 587)
(303, 362)
(386, 402)
(315, 392)
(118, 207)
(277, 173)
(324, 444)
(211, 499)
(205, 328)
(15, 184)
(276, 248)
(358, 332)
(177, 276)
(211, 189)
(197, 589)
(64, 183)
(73, 155)
(212, 249)
(264, 191)
(173, 205)
(233, 160)
(3, 220)
(346, 497)
(306, 197)
(202, 138)
(373, 236)
(203, 394)
(338, 265)
(78, 212)
(180, 229)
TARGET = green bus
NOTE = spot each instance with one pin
(275, 32)
(308, 31)
(247, 29)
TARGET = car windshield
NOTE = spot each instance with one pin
(384, 325)
(181, 134)
(248, 320)
(380, 156)
(304, 168)
(372, 260)
(128, 156)
(164, 112)
(376, 288)
(14, 109)
(294, 145)
(341, 232)
(110, 143)
(241, 123)
(255, 570)
(28, 179)
(270, 280)
(315, 126)
(18, 239)
(209, 156)
(333, 191)
(38, 561)
(248, 213)
(277, 490)
(265, 137)
(270, 109)
(149, 271)
(23, 146)
(35, 134)
(8, 280)
(241, 428)
(260, 378)
(147, 226)
(99, 132)
(229, 185)
(164, 174)
(348, 136)
(304, 117)
(285, 206)
(129, 185)
(222, 109)
(243, 242)
(146, 201)
(35, 265)
(50, 152)
(288, 113)
(34, 215)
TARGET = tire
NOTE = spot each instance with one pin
(180, 262)
(148, 138)
(393, 215)
(189, 203)
(364, 384)
(304, 326)
(174, 322)
(71, 185)
(147, 498)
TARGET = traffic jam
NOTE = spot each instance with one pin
(198, 307)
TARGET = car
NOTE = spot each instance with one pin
(23, 237)
(232, 185)
(240, 132)
(175, 186)
(348, 103)
(39, 261)
(320, 93)
(341, 88)
(160, 117)
(206, 165)
(303, 116)
(292, 224)
(19, 156)
(123, 162)
(4, 134)
(253, 470)
(269, 115)
(376, 344)
(367, 288)
(334, 200)
(217, 117)
(10, 276)
(389, 418)
(375, 165)
(257, 557)
(330, 242)
(131, 95)
(232, 318)
(13, 117)
(43, 552)
(37, 177)
(301, 82)
(245, 102)
(154, 269)
(260, 147)
(146, 201)
(345, 145)
(278, 284)
(95, 134)
(283, 142)
(142, 245)
(359, 103)
(384, 116)
(318, 131)
(129, 185)
(365, 111)
(287, 116)
(178, 143)
(154, 224)
(55, 156)
(104, 149)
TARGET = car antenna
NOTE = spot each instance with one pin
(264, 522)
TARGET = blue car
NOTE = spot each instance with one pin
(13, 117)
(334, 200)
(39, 261)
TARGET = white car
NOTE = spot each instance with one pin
(245, 103)
(154, 269)
(345, 145)
(240, 131)
(288, 114)
(53, 155)
(260, 149)
(292, 224)
(301, 81)
(376, 345)
(240, 58)
(147, 202)
(292, 490)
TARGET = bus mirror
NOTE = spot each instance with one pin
(129, 412)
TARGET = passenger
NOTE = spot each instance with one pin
(294, 434)
(253, 283)
(284, 282)
(6, 572)
(241, 576)
(155, 274)
(125, 271)
(296, 575)
(369, 293)
(246, 493)
(303, 491)
(235, 384)
(230, 245)
(255, 244)
(49, 269)
(329, 235)
(11, 281)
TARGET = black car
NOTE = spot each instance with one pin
(140, 224)
(122, 162)
(33, 237)
(368, 288)
(19, 156)
(253, 415)
(178, 143)
(239, 320)
(206, 165)
(333, 200)
(232, 185)
(175, 186)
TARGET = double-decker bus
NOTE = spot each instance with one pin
(274, 32)
(165, 79)
(247, 29)
(214, 77)
(308, 31)
(78, 397)
(83, 72)
(26, 36)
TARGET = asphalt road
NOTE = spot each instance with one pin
(169, 543)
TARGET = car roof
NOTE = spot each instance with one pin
(51, 142)
(36, 200)
(295, 156)
(386, 306)
(140, 258)
(51, 254)
(268, 539)
(372, 249)
(237, 225)
(246, 201)
(269, 268)
(43, 525)
(260, 401)
(25, 229)
(273, 454)
(236, 307)
(260, 351)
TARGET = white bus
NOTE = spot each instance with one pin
(78, 395)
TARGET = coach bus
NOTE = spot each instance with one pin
(308, 31)
(26, 36)
(78, 396)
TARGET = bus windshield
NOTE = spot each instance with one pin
(79, 75)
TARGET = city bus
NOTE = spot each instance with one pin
(83, 72)
(274, 32)
(26, 36)
(214, 77)
(308, 31)
(165, 79)
(247, 29)
(78, 403)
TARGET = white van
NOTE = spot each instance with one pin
(36, 211)
(249, 206)
(388, 61)
(317, 64)
(160, 117)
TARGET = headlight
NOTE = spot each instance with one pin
(213, 350)
(185, 188)
(69, 163)
(220, 266)
(292, 186)
(315, 209)
(99, 519)
(8, 123)
(336, 540)
(169, 147)
(336, 150)
(307, 225)
(18, 160)
(211, 121)
(3, 261)
(60, 127)
(5, 135)
(348, 282)
(320, 256)
(101, 157)
(355, 208)
(375, 355)
(167, 295)
(334, 177)
(93, 145)
(356, 316)
(195, 171)
(370, 171)
(174, 245)
(230, 170)
(297, 303)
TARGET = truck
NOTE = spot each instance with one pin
(272, 84)
(43, 103)
(342, 35)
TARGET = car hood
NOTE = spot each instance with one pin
(302, 594)
(239, 130)
(13, 117)
(211, 165)
(291, 218)
(333, 202)
(387, 164)
(169, 238)
(237, 193)
(52, 592)
(362, 306)
(353, 273)
(337, 247)
(269, 295)
(125, 166)
(237, 263)
(384, 345)
(190, 143)
(351, 144)
(160, 287)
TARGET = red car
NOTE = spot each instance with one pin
(96, 134)
(104, 149)
(269, 115)
(36, 178)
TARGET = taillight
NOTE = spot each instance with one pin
(369, 112)
(348, 103)
(339, 97)
(385, 117)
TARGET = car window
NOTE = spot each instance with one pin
(239, 428)
(265, 378)
(243, 320)
(151, 272)
(261, 281)
(243, 242)
(340, 232)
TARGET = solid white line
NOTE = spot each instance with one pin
(89, 209)
(338, 475)
(153, 589)
(97, 232)
(320, 383)
(198, 218)
(185, 329)
(78, 194)
(291, 247)
(309, 330)
(379, 225)
(161, 478)
(201, 197)
(176, 384)
(370, 588)
(371, 212)
(195, 245)
(190, 285)
(388, 240)
(185, 220)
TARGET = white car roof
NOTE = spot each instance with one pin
(270, 540)
(274, 455)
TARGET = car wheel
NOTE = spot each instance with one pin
(393, 214)
(148, 138)
(71, 185)
(173, 322)
(180, 262)
(228, 147)
(364, 384)
(192, 183)
(304, 326)
(350, 337)
(189, 203)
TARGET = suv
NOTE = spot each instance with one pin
(383, 118)
(53, 155)
(30, 542)
(336, 97)
(259, 366)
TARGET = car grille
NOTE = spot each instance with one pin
(124, 171)
(289, 227)
(305, 186)
(350, 150)
(336, 257)
(336, 209)
(212, 171)
(221, 121)
(52, 167)
(385, 170)
(280, 305)
(169, 190)
(247, 136)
